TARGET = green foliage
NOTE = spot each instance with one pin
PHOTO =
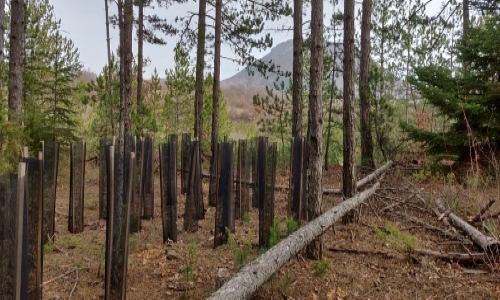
(291, 225)
(70, 241)
(51, 65)
(285, 282)
(321, 267)
(146, 114)
(187, 272)
(274, 233)
(103, 101)
(247, 217)
(399, 240)
(48, 247)
(468, 100)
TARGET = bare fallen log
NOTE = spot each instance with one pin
(363, 181)
(254, 274)
(464, 258)
(488, 244)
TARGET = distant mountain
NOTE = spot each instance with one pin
(239, 89)
(281, 56)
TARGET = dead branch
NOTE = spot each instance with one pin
(60, 276)
(464, 258)
(431, 227)
(479, 216)
(366, 252)
(74, 286)
(488, 244)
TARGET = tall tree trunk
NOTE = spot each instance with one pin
(216, 83)
(16, 59)
(140, 60)
(349, 168)
(124, 144)
(297, 69)
(200, 67)
(109, 85)
(215, 103)
(364, 89)
(2, 29)
(465, 25)
(315, 126)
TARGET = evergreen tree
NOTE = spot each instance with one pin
(468, 100)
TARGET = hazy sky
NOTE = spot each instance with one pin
(84, 22)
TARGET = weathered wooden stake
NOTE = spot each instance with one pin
(224, 219)
(185, 161)
(136, 205)
(168, 181)
(110, 160)
(77, 187)
(148, 179)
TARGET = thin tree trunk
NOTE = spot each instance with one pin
(109, 85)
(140, 60)
(124, 144)
(200, 67)
(297, 69)
(16, 60)
(330, 114)
(349, 167)
(2, 31)
(364, 95)
(315, 127)
(465, 25)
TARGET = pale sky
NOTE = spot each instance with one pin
(84, 22)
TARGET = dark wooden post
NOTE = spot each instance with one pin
(77, 187)
(136, 205)
(104, 143)
(50, 168)
(110, 160)
(185, 161)
(168, 174)
(266, 181)
(225, 200)
(298, 201)
(148, 179)
(255, 187)
(191, 211)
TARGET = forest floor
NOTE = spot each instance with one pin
(372, 259)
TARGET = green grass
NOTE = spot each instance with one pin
(285, 283)
(321, 267)
(70, 241)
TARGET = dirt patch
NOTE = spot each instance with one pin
(380, 265)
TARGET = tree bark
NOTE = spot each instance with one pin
(297, 69)
(2, 30)
(109, 85)
(364, 89)
(124, 144)
(244, 284)
(315, 125)
(16, 60)
(465, 25)
(140, 59)
(200, 67)
(349, 167)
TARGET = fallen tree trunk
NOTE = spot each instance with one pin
(488, 244)
(363, 181)
(359, 184)
(254, 274)
(464, 258)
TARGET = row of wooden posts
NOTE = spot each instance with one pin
(27, 200)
